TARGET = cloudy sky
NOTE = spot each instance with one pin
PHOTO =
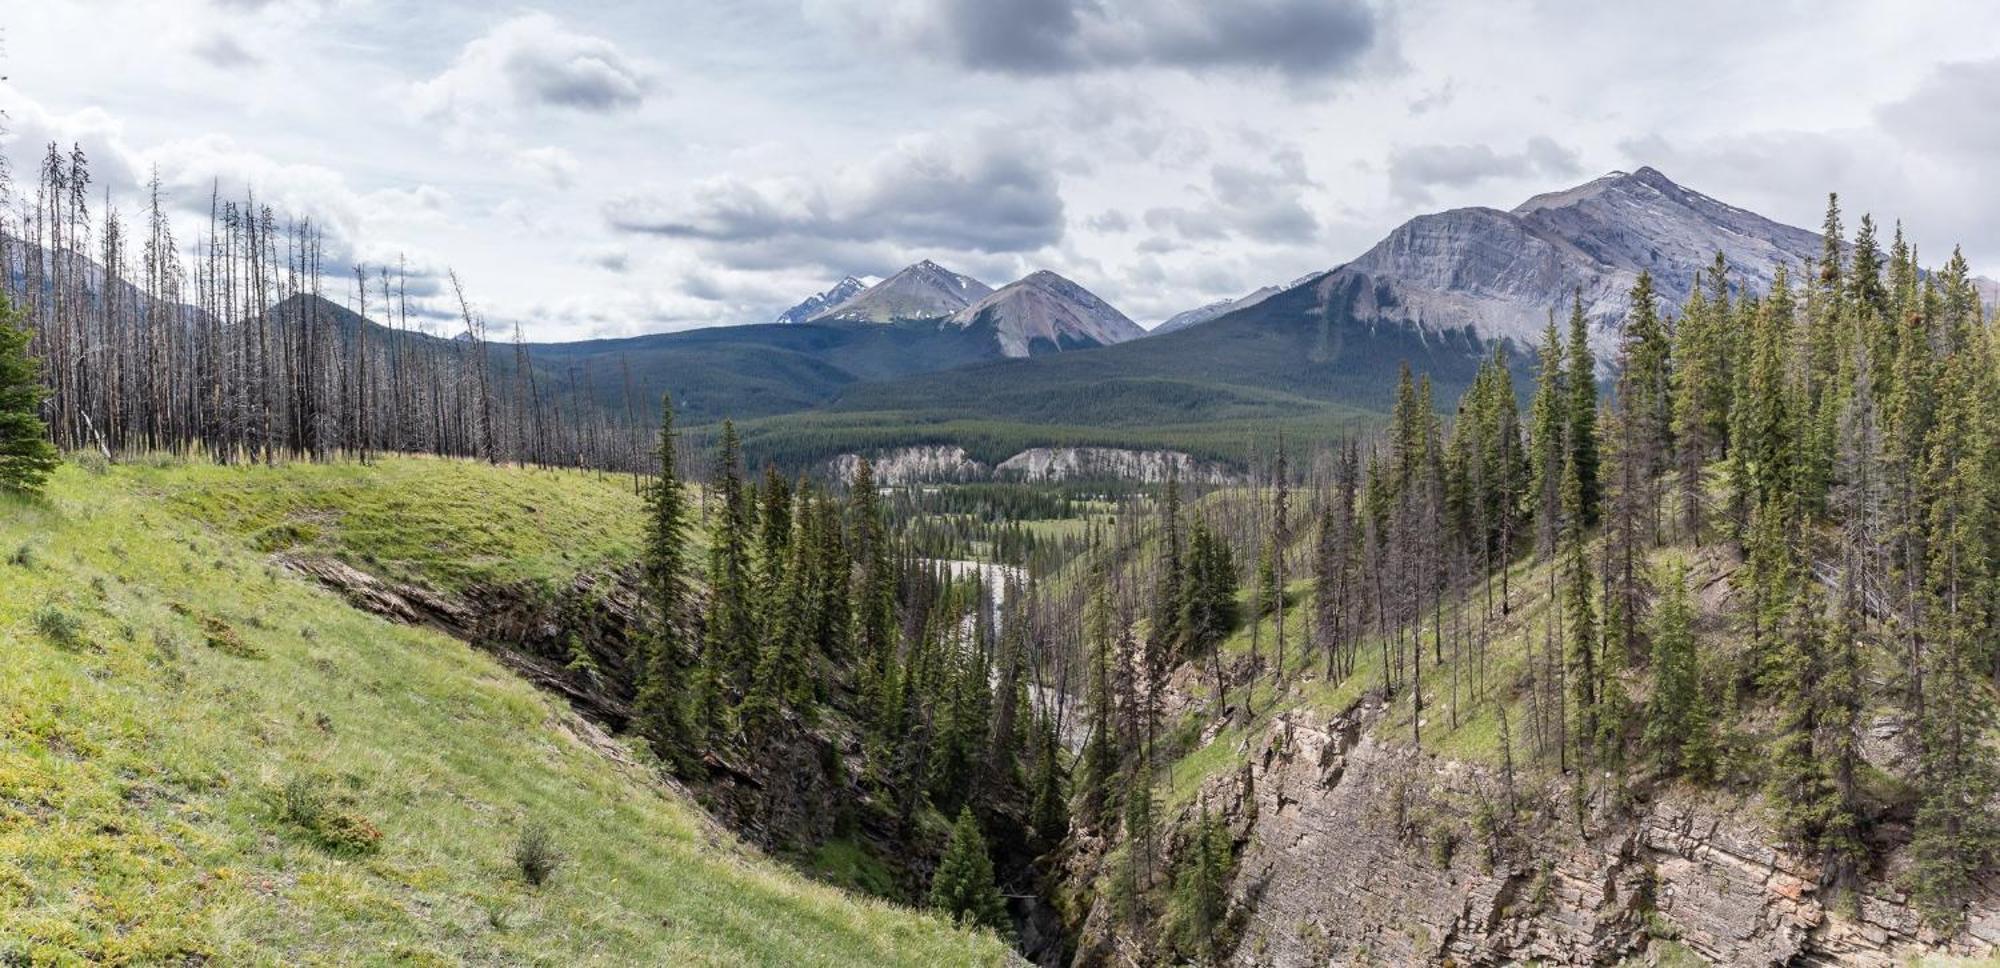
(620, 167)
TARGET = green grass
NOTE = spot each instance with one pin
(190, 765)
(448, 524)
(849, 864)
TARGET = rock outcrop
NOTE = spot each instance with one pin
(1144, 466)
(912, 465)
(1357, 851)
(941, 464)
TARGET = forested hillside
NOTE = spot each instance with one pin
(1729, 610)
(1749, 592)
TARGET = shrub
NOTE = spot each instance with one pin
(93, 462)
(223, 638)
(22, 557)
(305, 803)
(535, 854)
(58, 626)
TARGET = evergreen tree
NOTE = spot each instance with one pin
(660, 711)
(1678, 727)
(1581, 633)
(1582, 412)
(729, 650)
(1200, 904)
(1048, 812)
(1955, 833)
(1548, 442)
(1100, 751)
(26, 456)
(963, 886)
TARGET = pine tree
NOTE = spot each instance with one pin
(1200, 904)
(26, 456)
(660, 706)
(729, 651)
(1100, 752)
(1048, 813)
(963, 887)
(1582, 411)
(1955, 834)
(1583, 670)
(1548, 442)
(1678, 727)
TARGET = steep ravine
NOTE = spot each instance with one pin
(791, 797)
(1353, 850)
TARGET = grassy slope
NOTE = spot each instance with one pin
(442, 523)
(142, 757)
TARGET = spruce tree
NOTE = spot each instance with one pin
(1678, 727)
(26, 456)
(963, 887)
(1955, 834)
(1548, 442)
(660, 709)
(1200, 904)
(1581, 618)
(1582, 411)
(729, 651)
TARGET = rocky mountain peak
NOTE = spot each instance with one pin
(925, 290)
(823, 302)
(1500, 273)
(1045, 311)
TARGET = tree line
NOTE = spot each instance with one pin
(251, 344)
(1830, 445)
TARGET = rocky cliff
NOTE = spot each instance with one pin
(1356, 851)
(951, 464)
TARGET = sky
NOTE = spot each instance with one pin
(611, 168)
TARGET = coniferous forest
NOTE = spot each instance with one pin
(1008, 682)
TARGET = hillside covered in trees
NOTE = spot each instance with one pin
(1744, 570)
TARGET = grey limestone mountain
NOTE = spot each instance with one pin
(1044, 311)
(823, 302)
(925, 290)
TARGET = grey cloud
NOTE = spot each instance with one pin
(1955, 110)
(1263, 203)
(1299, 39)
(225, 52)
(1109, 220)
(979, 194)
(1415, 171)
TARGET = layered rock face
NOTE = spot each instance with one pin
(912, 465)
(951, 464)
(1501, 273)
(1352, 851)
(1144, 466)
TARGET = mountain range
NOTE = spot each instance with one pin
(932, 356)
(1441, 292)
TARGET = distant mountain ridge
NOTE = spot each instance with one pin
(1500, 273)
(925, 290)
(1201, 314)
(1045, 310)
(821, 302)
(1442, 293)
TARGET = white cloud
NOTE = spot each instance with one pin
(551, 164)
(532, 62)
